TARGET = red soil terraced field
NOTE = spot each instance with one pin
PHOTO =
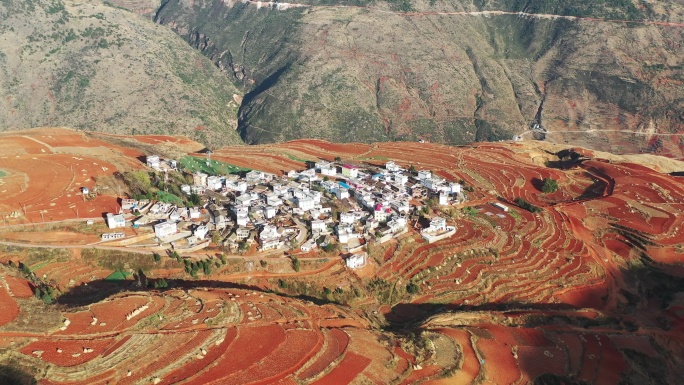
(10, 310)
(46, 169)
(19, 287)
(585, 288)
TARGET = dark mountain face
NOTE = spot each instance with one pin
(454, 73)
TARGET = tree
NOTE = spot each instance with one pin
(412, 288)
(412, 169)
(338, 159)
(156, 257)
(549, 186)
(296, 264)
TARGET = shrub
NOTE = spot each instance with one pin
(549, 186)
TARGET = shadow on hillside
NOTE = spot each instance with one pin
(649, 305)
(99, 290)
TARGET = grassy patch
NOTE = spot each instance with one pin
(118, 276)
(292, 157)
(2, 173)
(215, 167)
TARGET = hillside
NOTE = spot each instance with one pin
(448, 72)
(95, 67)
(583, 286)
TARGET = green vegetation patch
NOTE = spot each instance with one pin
(215, 167)
(2, 173)
(296, 159)
(118, 276)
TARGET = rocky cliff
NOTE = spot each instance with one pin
(606, 73)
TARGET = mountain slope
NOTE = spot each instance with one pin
(95, 67)
(363, 70)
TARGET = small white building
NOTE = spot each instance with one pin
(242, 233)
(341, 193)
(400, 178)
(455, 188)
(243, 200)
(306, 203)
(194, 213)
(500, 206)
(111, 236)
(347, 218)
(437, 224)
(164, 229)
(115, 220)
(152, 161)
(185, 188)
(269, 238)
(329, 170)
(236, 185)
(201, 231)
(402, 206)
(308, 245)
(318, 226)
(85, 190)
(356, 261)
(350, 171)
(214, 182)
(392, 167)
(270, 212)
(424, 174)
(443, 199)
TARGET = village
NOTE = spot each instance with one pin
(332, 206)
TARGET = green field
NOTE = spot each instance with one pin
(292, 157)
(118, 276)
(193, 164)
(2, 173)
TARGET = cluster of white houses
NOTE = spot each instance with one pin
(328, 202)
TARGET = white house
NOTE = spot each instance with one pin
(214, 183)
(242, 233)
(443, 198)
(255, 176)
(356, 261)
(269, 238)
(308, 245)
(279, 189)
(152, 161)
(347, 218)
(269, 212)
(185, 188)
(115, 220)
(424, 174)
(236, 185)
(341, 193)
(455, 188)
(244, 200)
(437, 224)
(329, 170)
(164, 229)
(392, 167)
(400, 178)
(305, 203)
(318, 226)
(350, 171)
(201, 231)
(273, 200)
(194, 213)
